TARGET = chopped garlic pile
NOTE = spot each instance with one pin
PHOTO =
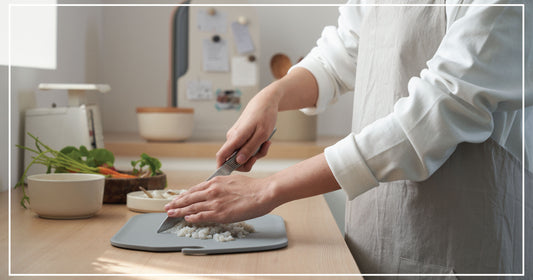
(218, 232)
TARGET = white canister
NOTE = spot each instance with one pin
(165, 123)
(295, 126)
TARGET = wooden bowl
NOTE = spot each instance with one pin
(117, 189)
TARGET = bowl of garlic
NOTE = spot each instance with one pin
(151, 201)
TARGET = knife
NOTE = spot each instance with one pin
(227, 167)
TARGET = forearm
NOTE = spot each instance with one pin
(297, 90)
(227, 199)
(305, 179)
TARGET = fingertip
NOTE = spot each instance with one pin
(241, 158)
(192, 218)
(171, 212)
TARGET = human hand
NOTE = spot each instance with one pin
(251, 130)
(224, 199)
(298, 89)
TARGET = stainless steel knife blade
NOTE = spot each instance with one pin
(227, 167)
(168, 223)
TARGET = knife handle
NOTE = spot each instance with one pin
(233, 157)
(231, 163)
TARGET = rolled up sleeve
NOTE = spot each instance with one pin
(333, 61)
(475, 73)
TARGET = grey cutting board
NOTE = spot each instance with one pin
(140, 233)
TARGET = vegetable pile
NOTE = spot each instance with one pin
(81, 160)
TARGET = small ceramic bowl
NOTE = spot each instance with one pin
(165, 123)
(140, 202)
(66, 195)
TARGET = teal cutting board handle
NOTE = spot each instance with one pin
(139, 234)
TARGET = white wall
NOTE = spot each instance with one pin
(135, 57)
(77, 41)
(134, 61)
(128, 48)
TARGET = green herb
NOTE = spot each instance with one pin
(81, 160)
(92, 158)
(153, 163)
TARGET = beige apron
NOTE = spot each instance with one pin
(467, 217)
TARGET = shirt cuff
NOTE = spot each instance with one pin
(325, 88)
(349, 167)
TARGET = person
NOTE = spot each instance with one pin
(433, 167)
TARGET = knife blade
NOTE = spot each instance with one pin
(225, 169)
(169, 223)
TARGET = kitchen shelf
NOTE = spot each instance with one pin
(131, 144)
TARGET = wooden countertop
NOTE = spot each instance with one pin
(44, 246)
(131, 144)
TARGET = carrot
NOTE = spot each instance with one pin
(113, 173)
(122, 175)
(106, 171)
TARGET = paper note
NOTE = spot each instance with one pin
(216, 23)
(243, 72)
(215, 56)
(242, 38)
(199, 90)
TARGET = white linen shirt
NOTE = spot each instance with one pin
(471, 90)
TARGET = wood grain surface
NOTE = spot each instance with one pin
(44, 246)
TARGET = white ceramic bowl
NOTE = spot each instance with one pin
(139, 202)
(165, 123)
(66, 195)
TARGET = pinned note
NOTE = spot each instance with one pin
(215, 56)
(211, 22)
(242, 38)
(243, 71)
(199, 90)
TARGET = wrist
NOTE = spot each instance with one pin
(273, 192)
(304, 179)
(273, 93)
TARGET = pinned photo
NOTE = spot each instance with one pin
(228, 99)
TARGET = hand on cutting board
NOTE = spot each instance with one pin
(223, 199)
(234, 198)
